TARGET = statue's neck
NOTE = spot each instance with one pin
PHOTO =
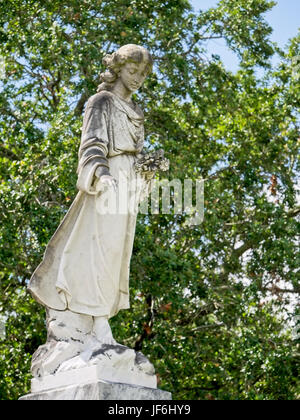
(121, 91)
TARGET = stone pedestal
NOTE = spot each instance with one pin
(100, 390)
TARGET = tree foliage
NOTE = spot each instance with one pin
(211, 305)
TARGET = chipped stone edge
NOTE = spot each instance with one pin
(100, 390)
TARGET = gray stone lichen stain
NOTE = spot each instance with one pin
(52, 337)
(119, 349)
(140, 358)
(76, 340)
(79, 331)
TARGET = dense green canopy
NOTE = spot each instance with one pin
(213, 305)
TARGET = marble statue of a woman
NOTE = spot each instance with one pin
(83, 278)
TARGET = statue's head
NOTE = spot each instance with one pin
(130, 63)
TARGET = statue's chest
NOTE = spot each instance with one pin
(125, 127)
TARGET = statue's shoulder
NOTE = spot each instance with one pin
(139, 110)
(100, 99)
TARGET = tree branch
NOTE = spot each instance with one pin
(80, 104)
(275, 289)
(293, 212)
(147, 326)
(7, 153)
(217, 173)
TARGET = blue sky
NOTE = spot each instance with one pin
(284, 18)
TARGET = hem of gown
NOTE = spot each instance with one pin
(85, 310)
(58, 304)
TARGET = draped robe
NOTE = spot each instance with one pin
(86, 264)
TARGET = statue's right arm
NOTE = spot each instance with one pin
(93, 150)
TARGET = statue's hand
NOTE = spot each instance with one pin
(106, 181)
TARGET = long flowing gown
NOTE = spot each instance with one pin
(86, 264)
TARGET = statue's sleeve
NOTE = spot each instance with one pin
(94, 144)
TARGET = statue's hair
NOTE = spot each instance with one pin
(113, 62)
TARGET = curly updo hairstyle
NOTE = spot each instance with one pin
(129, 53)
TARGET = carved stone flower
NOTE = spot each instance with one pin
(152, 162)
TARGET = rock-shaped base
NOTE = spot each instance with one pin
(114, 363)
(100, 390)
(74, 355)
(108, 362)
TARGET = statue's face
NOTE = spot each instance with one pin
(133, 75)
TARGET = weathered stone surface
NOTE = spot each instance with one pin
(71, 347)
(113, 363)
(100, 390)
